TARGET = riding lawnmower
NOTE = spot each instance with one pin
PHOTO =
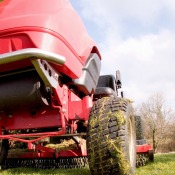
(55, 109)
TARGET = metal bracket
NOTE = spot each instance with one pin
(46, 72)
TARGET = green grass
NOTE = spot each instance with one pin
(164, 164)
(30, 171)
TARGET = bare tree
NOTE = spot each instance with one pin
(156, 118)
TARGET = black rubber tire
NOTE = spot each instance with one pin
(111, 140)
(139, 128)
(151, 155)
(4, 147)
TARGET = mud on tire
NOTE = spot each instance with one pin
(111, 137)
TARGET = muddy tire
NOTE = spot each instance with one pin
(4, 146)
(111, 137)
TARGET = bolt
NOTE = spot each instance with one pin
(10, 115)
(63, 110)
(56, 75)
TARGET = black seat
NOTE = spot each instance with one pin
(106, 86)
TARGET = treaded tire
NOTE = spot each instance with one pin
(4, 146)
(139, 128)
(111, 141)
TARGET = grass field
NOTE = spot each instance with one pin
(164, 165)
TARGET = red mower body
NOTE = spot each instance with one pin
(143, 148)
(49, 68)
(50, 25)
(51, 92)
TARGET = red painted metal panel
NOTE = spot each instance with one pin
(25, 120)
(34, 37)
(54, 26)
(143, 148)
(79, 109)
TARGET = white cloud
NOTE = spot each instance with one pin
(115, 10)
(138, 38)
(146, 63)
(170, 5)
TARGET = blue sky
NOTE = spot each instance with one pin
(138, 38)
